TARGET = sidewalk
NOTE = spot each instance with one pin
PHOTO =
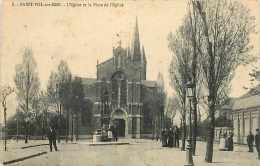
(15, 152)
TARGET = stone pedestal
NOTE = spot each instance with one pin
(138, 127)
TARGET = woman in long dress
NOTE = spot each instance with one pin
(223, 142)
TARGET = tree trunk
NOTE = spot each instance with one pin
(72, 128)
(183, 134)
(67, 125)
(5, 139)
(195, 126)
(59, 122)
(77, 126)
(210, 134)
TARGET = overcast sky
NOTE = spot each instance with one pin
(81, 36)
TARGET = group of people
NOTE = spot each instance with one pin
(170, 137)
(226, 142)
(250, 142)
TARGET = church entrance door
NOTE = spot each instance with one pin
(120, 127)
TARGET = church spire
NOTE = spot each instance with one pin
(136, 51)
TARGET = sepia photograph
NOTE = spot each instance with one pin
(130, 82)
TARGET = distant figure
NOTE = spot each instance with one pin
(177, 137)
(157, 136)
(170, 138)
(173, 136)
(164, 138)
(51, 134)
(250, 142)
(230, 142)
(222, 142)
(114, 133)
(109, 134)
(257, 142)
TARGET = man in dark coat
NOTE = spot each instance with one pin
(115, 133)
(257, 143)
(164, 138)
(170, 138)
(230, 142)
(250, 142)
(51, 134)
(177, 137)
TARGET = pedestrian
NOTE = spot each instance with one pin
(164, 138)
(109, 134)
(257, 143)
(52, 138)
(230, 142)
(222, 142)
(173, 137)
(115, 133)
(250, 142)
(177, 137)
(170, 138)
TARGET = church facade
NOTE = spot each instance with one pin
(119, 90)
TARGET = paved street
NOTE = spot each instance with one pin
(138, 153)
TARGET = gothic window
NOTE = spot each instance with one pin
(119, 89)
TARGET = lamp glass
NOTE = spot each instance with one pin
(189, 91)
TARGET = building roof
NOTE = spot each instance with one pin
(88, 81)
(246, 102)
(149, 84)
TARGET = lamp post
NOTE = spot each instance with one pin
(189, 159)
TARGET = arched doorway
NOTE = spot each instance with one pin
(119, 121)
(120, 127)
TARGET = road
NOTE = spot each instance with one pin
(138, 153)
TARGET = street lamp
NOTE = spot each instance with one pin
(190, 95)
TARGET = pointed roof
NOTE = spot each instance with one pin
(143, 58)
(136, 50)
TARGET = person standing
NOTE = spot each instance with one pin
(250, 142)
(177, 136)
(164, 138)
(170, 138)
(230, 142)
(115, 132)
(52, 138)
(257, 143)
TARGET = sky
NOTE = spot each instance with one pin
(83, 35)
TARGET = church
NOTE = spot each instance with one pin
(120, 88)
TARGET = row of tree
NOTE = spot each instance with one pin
(207, 48)
(61, 104)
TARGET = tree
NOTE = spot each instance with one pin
(5, 92)
(27, 85)
(179, 68)
(59, 94)
(172, 106)
(77, 101)
(185, 66)
(226, 27)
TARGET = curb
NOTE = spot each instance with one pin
(23, 158)
(120, 143)
(24, 147)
